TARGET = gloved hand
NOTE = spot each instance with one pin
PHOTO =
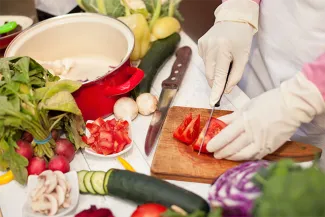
(228, 40)
(268, 121)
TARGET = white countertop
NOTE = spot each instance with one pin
(194, 92)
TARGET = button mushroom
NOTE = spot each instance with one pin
(147, 103)
(39, 190)
(60, 195)
(54, 204)
(59, 175)
(125, 108)
(41, 205)
(50, 180)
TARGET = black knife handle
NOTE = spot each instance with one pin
(218, 103)
(183, 57)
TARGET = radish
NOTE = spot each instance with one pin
(25, 149)
(65, 148)
(59, 163)
(36, 166)
(27, 137)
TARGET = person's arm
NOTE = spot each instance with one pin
(315, 72)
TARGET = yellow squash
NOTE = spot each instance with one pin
(140, 28)
(125, 164)
(6, 178)
(165, 27)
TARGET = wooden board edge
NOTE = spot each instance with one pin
(182, 178)
(295, 159)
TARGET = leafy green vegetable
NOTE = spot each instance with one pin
(281, 168)
(74, 126)
(29, 94)
(289, 190)
(107, 7)
(16, 162)
(61, 101)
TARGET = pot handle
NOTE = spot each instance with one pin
(136, 77)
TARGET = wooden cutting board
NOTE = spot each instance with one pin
(174, 160)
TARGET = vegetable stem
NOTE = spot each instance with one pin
(156, 14)
(260, 179)
(57, 120)
(171, 8)
(127, 9)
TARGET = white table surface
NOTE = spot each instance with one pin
(194, 92)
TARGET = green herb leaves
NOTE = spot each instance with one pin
(29, 95)
(289, 190)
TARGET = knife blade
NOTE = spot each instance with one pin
(170, 87)
(212, 110)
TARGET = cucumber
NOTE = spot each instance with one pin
(97, 182)
(87, 182)
(81, 176)
(142, 189)
(156, 56)
(106, 180)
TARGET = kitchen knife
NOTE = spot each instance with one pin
(212, 110)
(169, 90)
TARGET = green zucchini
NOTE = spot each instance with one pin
(87, 182)
(97, 182)
(142, 189)
(81, 176)
(156, 56)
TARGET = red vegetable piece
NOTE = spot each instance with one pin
(91, 139)
(118, 136)
(122, 125)
(127, 138)
(180, 129)
(106, 135)
(93, 128)
(191, 132)
(115, 146)
(99, 121)
(112, 123)
(214, 128)
(95, 135)
(120, 147)
(149, 210)
(85, 139)
(105, 146)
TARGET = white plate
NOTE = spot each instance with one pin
(23, 21)
(126, 148)
(72, 178)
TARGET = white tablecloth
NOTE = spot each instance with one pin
(194, 92)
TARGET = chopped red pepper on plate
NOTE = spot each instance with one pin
(108, 137)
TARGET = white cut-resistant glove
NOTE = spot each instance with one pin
(268, 121)
(228, 40)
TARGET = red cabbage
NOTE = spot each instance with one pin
(234, 191)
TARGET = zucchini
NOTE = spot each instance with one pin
(87, 182)
(81, 176)
(142, 189)
(156, 56)
(97, 182)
